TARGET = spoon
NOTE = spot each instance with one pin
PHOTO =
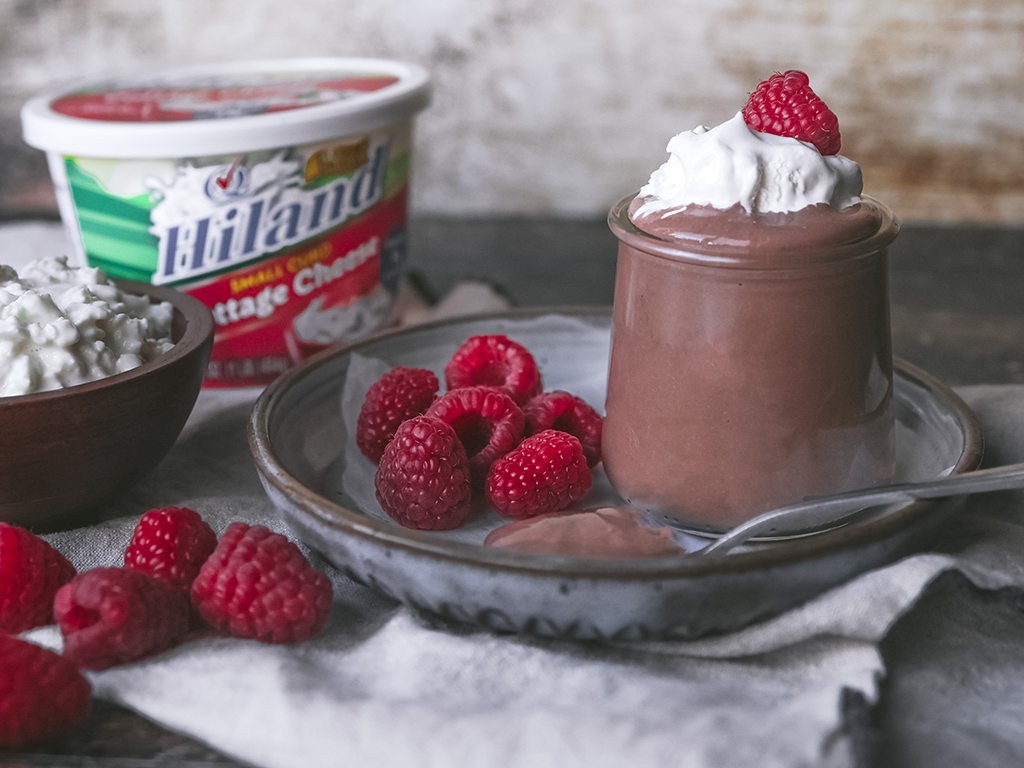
(821, 511)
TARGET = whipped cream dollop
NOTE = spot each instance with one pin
(731, 165)
(61, 326)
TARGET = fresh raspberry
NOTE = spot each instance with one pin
(31, 572)
(785, 105)
(423, 478)
(395, 397)
(494, 361)
(546, 473)
(566, 413)
(171, 544)
(257, 585)
(112, 616)
(489, 424)
(41, 694)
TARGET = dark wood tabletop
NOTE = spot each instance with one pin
(957, 311)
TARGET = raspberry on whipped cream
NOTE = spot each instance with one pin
(786, 105)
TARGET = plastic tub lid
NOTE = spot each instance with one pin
(225, 109)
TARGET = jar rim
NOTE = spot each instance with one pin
(738, 256)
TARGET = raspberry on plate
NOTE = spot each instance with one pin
(42, 694)
(423, 480)
(494, 361)
(546, 473)
(566, 413)
(112, 616)
(171, 544)
(396, 396)
(489, 424)
(258, 585)
(785, 105)
(31, 572)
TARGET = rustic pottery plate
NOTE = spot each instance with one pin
(323, 487)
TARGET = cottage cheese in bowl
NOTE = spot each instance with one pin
(62, 325)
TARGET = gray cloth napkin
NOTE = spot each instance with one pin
(383, 686)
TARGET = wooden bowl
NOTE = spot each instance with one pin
(65, 452)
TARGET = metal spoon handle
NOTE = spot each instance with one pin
(826, 510)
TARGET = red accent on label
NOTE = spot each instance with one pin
(147, 105)
(255, 308)
(223, 182)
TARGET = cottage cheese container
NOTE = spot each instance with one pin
(275, 192)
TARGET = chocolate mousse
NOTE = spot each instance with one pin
(608, 532)
(751, 361)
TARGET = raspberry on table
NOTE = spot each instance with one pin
(258, 585)
(396, 396)
(494, 361)
(489, 424)
(566, 413)
(31, 572)
(112, 616)
(546, 473)
(785, 105)
(423, 480)
(172, 544)
(42, 694)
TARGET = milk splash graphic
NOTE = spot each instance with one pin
(210, 218)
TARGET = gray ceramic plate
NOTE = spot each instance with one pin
(315, 476)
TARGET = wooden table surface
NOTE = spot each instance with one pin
(957, 311)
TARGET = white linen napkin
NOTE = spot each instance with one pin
(383, 686)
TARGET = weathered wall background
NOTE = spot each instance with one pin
(563, 107)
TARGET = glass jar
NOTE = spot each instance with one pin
(751, 361)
